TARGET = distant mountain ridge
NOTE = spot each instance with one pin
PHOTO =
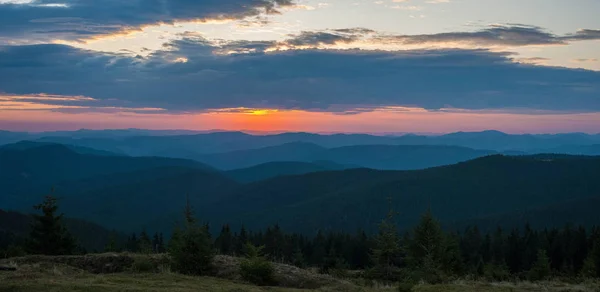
(391, 157)
(191, 144)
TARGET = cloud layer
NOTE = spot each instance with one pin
(189, 76)
(81, 19)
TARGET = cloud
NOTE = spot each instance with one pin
(77, 19)
(496, 35)
(330, 37)
(583, 35)
(318, 80)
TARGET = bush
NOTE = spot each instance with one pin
(406, 287)
(143, 265)
(496, 272)
(255, 268)
(13, 251)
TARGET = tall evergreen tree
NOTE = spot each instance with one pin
(540, 269)
(48, 234)
(144, 243)
(427, 246)
(240, 242)
(591, 265)
(191, 249)
(132, 243)
(387, 250)
(224, 242)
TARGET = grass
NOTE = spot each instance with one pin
(64, 279)
(74, 274)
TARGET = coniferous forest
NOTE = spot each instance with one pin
(425, 253)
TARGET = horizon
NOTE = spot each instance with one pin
(181, 132)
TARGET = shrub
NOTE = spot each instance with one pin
(143, 265)
(406, 287)
(496, 272)
(13, 251)
(255, 268)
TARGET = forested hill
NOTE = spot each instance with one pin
(389, 157)
(90, 236)
(28, 173)
(357, 198)
(130, 194)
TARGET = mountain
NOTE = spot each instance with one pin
(132, 193)
(192, 145)
(89, 235)
(357, 198)
(298, 151)
(577, 149)
(7, 137)
(401, 157)
(26, 145)
(582, 211)
(28, 172)
(150, 198)
(392, 157)
(273, 169)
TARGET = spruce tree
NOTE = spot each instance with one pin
(540, 269)
(298, 258)
(387, 250)
(144, 243)
(48, 234)
(427, 248)
(240, 242)
(111, 246)
(224, 242)
(191, 249)
(591, 265)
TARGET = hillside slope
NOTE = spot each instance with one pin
(391, 157)
(357, 198)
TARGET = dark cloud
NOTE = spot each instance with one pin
(502, 35)
(510, 35)
(308, 79)
(84, 18)
(583, 35)
(328, 37)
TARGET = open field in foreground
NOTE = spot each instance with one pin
(45, 275)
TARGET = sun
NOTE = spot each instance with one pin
(261, 112)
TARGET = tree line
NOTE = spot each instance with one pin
(427, 252)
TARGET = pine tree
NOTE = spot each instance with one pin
(240, 241)
(144, 243)
(191, 249)
(540, 269)
(427, 247)
(591, 265)
(471, 246)
(224, 242)
(132, 243)
(48, 234)
(387, 249)
(161, 243)
(298, 258)
(452, 262)
(112, 243)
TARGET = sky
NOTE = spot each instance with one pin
(377, 66)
